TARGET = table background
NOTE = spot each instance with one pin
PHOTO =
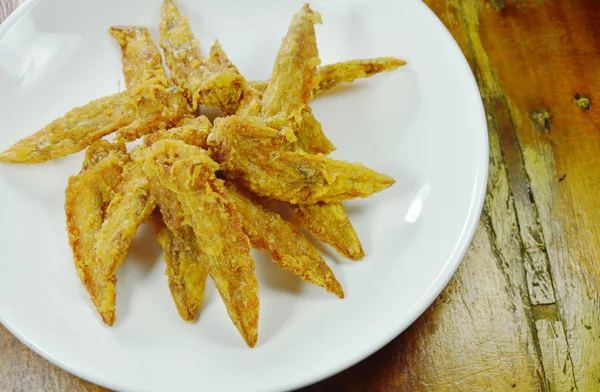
(523, 311)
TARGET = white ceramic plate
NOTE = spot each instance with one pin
(423, 124)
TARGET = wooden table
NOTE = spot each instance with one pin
(523, 311)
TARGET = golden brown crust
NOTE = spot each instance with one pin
(292, 78)
(192, 131)
(149, 107)
(139, 56)
(190, 173)
(331, 75)
(330, 224)
(253, 154)
(128, 209)
(288, 248)
(311, 137)
(101, 149)
(211, 82)
(185, 270)
(87, 197)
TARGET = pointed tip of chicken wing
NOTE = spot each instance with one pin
(252, 153)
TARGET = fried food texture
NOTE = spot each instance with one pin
(252, 154)
(293, 75)
(207, 188)
(87, 198)
(149, 107)
(311, 137)
(212, 81)
(185, 270)
(330, 224)
(140, 57)
(190, 173)
(129, 208)
(288, 248)
(331, 75)
(192, 131)
(100, 150)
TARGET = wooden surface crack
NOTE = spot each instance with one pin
(535, 258)
(511, 216)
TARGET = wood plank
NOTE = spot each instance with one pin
(556, 68)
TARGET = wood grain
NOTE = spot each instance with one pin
(523, 311)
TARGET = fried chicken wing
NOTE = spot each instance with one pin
(140, 57)
(293, 75)
(330, 224)
(149, 107)
(190, 173)
(193, 131)
(157, 105)
(186, 272)
(87, 197)
(250, 104)
(288, 248)
(212, 81)
(331, 75)
(311, 137)
(253, 154)
(99, 150)
(129, 208)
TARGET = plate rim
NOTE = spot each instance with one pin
(427, 298)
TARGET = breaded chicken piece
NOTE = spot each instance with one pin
(251, 103)
(212, 81)
(331, 75)
(288, 248)
(293, 75)
(99, 150)
(292, 81)
(149, 107)
(140, 57)
(330, 224)
(311, 137)
(193, 131)
(158, 105)
(253, 154)
(190, 173)
(186, 272)
(87, 197)
(129, 208)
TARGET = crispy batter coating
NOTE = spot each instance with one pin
(186, 272)
(211, 82)
(288, 248)
(129, 208)
(293, 75)
(99, 150)
(140, 57)
(135, 112)
(87, 197)
(253, 154)
(157, 105)
(190, 173)
(193, 131)
(331, 75)
(311, 137)
(251, 103)
(330, 224)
